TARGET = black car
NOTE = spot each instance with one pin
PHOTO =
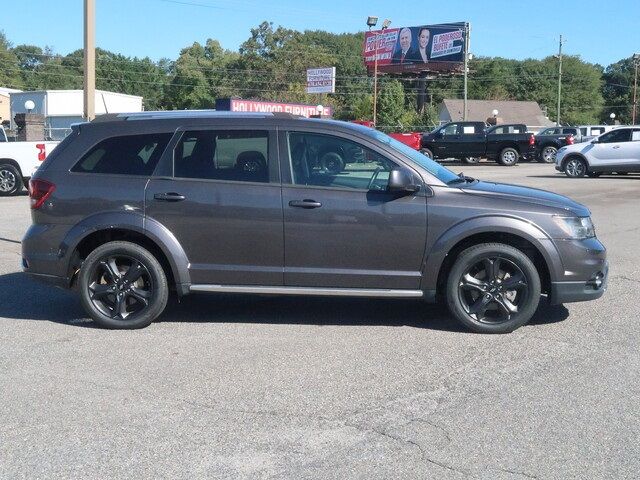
(129, 208)
(550, 140)
(470, 141)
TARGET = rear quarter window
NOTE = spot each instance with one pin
(124, 155)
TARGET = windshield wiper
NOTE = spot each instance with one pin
(462, 178)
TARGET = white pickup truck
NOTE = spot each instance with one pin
(18, 161)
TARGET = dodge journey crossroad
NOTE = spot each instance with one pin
(132, 207)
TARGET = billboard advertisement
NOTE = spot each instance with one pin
(436, 48)
(321, 80)
(260, 106)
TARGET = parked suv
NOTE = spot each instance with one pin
(129, 207)
(615, 151)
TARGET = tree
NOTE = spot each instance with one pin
(9, 65)
(618, 90)
(391, 105)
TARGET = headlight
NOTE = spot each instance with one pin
(576, 227)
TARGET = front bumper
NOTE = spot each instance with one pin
(582, 291)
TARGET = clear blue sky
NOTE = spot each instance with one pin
(600, 31)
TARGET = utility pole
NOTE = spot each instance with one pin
(559, 80)
(375, 80)
(89, 59)
(636, 60)
(466, 68)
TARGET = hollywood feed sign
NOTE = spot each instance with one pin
(321, 80)
(256, 106)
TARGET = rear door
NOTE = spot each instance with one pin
(344, 230)
(472, 140)
(221, 199)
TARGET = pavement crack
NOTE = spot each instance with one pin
(516, 472)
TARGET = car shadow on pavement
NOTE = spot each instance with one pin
(602, 177)
(26, 299)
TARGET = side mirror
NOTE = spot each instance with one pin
(438, 134)
(401, 181)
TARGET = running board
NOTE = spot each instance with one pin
(330, 292)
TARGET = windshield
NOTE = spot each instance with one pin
(443, 174)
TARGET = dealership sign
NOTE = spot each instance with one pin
(424, 48)
(259, 106)
(321, 80)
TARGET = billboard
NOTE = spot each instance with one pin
(435, 48)
(259, 106)
(321, 80)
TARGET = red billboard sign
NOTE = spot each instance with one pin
(437, 48)
(258, 106)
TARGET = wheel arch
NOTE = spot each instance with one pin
(512, 231)
(13, 163)
(150, 234)
(571, 155)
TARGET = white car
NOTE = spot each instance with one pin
(18, 161)
(615, 151)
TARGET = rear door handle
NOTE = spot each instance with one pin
(169, 197)
(304, 204)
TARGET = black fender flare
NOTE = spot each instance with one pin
(136, 222)
(438, 250)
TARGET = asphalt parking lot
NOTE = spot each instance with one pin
(237, 387)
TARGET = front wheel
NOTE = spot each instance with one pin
(508, 157)
(10, 180)
(575, 168)
(471, 160)
(426, 152)
(548, 154)
(493, 288)
(122, 286)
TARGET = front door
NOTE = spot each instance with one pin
(223, 204)
(612, 149)
(343, 229)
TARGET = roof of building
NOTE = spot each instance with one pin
(80, 92)
(6, 91)
(509, 111)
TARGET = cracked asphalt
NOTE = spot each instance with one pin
(257, 387)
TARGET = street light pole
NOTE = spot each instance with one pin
(636, 60)
(466, 68)
(375, 79)
(89, 60)
(559, 80)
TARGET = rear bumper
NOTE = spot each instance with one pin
(582, 291)
(54, 281)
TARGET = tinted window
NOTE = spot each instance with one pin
(570, 131)
(238, 155)
(616, 136)
(327, 161)
(509, 129)
(126, 155)
(550, 131)
(450, 129)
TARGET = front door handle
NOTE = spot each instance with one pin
(169, 197)
(616, 146)
(306, 203)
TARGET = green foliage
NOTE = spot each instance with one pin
(271, 65)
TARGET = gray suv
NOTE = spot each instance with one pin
(131, 207)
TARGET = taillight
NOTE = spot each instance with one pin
(39, 191)
(532, 140)
(42, 151)
(570, 140)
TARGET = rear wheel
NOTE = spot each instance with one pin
(508, 157)
(548, 154)
(122, 286)
(575, 168)
(10, 180)
(493, 288)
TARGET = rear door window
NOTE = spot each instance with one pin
(124, 155)
(235, 155)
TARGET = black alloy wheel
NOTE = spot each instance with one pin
(493, 288)
(122, 286)
(10, 180)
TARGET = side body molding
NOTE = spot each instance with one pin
(437, 248)
(134, 222)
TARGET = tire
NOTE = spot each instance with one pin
(471, 160)
(10, 180)
(594, 174)
(479, 299)
(143, 297)
(508, 157)
(548, 154)
(427, 153)
(332, 162)
(575, 167)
